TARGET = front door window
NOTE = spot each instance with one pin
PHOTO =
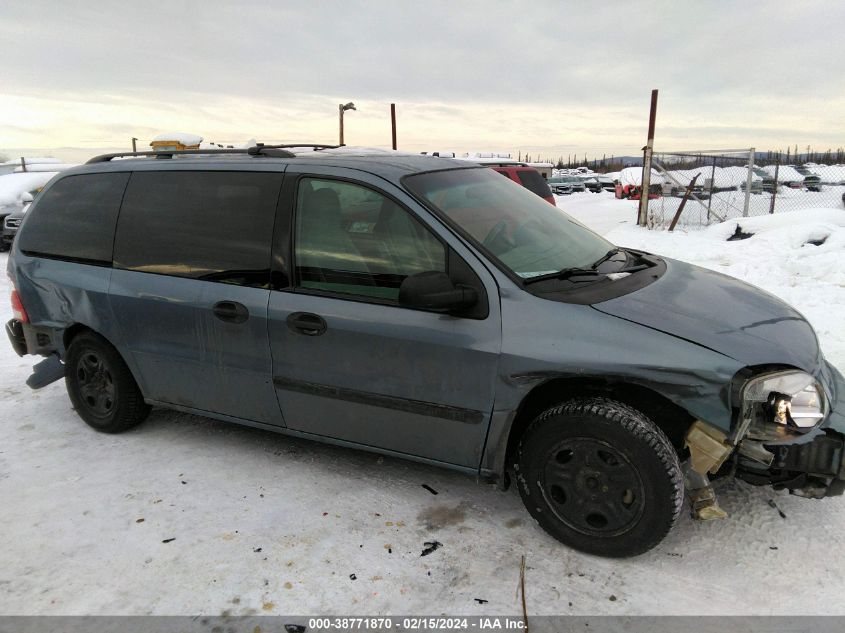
(352, 240)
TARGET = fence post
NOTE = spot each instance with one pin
(712, 185)
(747, 202)
(642, 215)
(775, 187)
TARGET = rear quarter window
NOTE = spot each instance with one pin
(75, 219)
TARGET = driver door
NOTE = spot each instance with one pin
(348, 362)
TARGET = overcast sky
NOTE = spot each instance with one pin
(551, 78)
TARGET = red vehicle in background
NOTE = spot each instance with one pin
(633, 192)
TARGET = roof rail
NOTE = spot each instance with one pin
(273, 151)
(260, 147)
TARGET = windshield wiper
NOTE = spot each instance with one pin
(606, 256)
(566, 273)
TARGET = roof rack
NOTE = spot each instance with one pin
(260, 147)
(272, 151)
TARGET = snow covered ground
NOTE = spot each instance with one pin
(186, 515)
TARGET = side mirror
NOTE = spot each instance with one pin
(433, 290)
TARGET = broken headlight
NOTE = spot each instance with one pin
(782, 403)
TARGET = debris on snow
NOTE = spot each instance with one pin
(431, 546)
(775, 506)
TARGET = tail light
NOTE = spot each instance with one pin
(18, 311)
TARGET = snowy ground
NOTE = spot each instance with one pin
(265, 524)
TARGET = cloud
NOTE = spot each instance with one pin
(468, 75)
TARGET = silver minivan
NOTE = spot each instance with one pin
(427, 309)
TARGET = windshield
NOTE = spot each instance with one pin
(525, 233)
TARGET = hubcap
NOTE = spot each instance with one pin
(592, 487)
(96, 385)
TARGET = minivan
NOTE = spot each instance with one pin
(426, 309)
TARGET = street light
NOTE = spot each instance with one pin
(341, 108)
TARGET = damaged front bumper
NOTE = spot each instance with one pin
(808, 462)
(811, 467)
(774, 449)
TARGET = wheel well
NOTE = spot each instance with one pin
(669, 417)
(72, 332)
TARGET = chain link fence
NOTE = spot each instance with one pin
(714, 186)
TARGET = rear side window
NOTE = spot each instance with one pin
(215, 225)
(534, 182)
(75, 218)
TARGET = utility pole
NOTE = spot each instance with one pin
(647, 151)
(134, 149)
(393, 123)
(341, 108)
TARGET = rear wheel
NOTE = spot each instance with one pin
(101, 387)
(599, 476)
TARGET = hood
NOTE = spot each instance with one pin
(723, 314)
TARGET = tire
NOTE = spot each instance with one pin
(600, 477)
(101, 387)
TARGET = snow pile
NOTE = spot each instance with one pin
(734, 176)
(829, 173)
(182, 137)
(12, 186)
(634, 176)
(786, 173)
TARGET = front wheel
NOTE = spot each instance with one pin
(600, 476)
(100, 385)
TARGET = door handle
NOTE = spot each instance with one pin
(306, 323)
(231, 311)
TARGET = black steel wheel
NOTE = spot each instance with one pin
(592, 487)
(96, 384)
(100, 385)
(599, 476)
